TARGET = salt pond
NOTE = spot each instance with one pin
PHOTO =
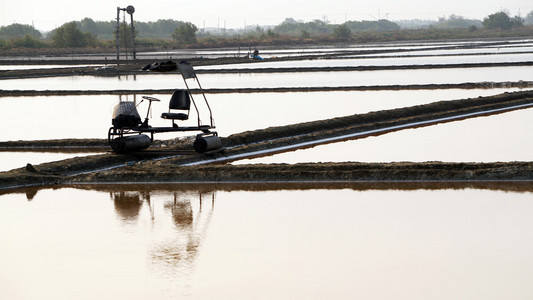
(124, 242)
(205, 242)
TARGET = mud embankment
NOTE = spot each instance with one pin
(349, 171)
(61, 145)
(395, 87)
(85, 145)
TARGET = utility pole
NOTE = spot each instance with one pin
(117, 35)
(130, 10)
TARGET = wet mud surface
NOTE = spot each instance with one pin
(156, 165)
(63, 145)
(315, 174)
(352, 171)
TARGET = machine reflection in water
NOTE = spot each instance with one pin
(186, 213)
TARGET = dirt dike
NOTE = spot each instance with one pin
(396, 87)
(57, 145)
(83, 145)
(316, 172)
(141, 166)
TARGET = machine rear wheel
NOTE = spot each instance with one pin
(205, 143)
(130, 143)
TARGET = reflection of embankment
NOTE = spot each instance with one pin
(96, 168)
(200, 188)
(209, 187)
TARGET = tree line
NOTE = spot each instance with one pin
(90, 33)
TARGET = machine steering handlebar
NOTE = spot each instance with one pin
(151, 98)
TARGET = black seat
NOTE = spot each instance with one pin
(180, 100)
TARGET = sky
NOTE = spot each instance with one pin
(49, 14)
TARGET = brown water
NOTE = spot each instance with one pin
(177, 242)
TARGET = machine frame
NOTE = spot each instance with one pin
(129, 134)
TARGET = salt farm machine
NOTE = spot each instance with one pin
(129, 133)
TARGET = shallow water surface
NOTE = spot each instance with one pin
(382, 61)
(502, 137)
(60, 117)
(273, 80)
(123, 243)
(14, 160)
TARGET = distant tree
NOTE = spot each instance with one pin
(317, 25)
(290, 21)
(472, 28)
(528, 20)
(455, 21)
(271, 34)
(380, 25)
(28, 41)
(517, 21)
(158, 29)
(68, 35)
(18, 31)
(502, 21)
(290, 26)
(342, 31)
(97, 28)
(88, 25)
(185, 33)
(124, 36)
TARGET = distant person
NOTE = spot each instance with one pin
(255, 55)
